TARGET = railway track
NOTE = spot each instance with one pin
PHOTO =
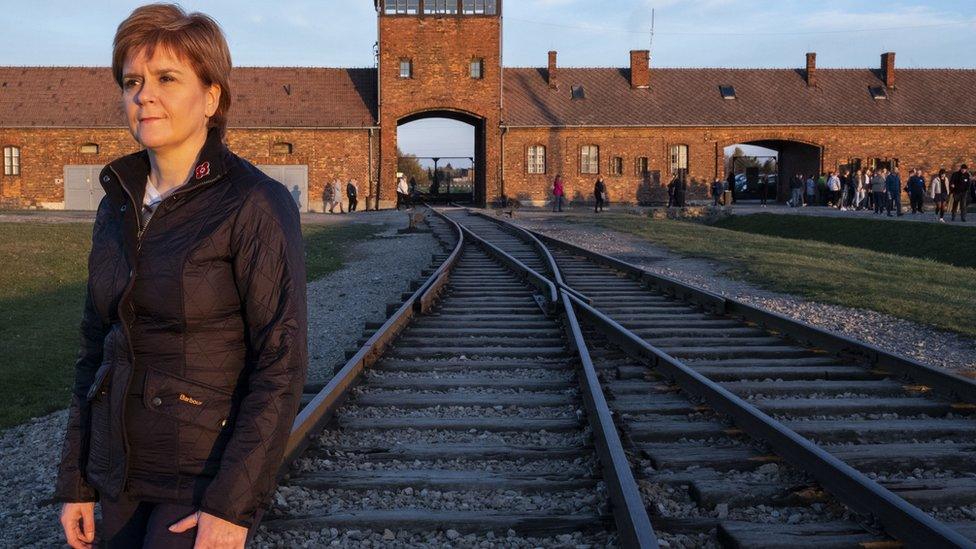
(471, 416)
(747, 429)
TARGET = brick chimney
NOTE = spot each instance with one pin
(888, 68)
(553, 83)
(811, 69)
(640, 71)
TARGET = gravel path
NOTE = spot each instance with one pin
(377, 271)
(920, 342)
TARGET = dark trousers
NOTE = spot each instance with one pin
(894, 202)
(557, 203)
(599, 204)
(958, 201)
(879, 201)
(353, 203)
(402, 201)
(916, 199)
(126, 524)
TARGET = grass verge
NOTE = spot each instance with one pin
(915, 289)
(950, 244)
(42, 288)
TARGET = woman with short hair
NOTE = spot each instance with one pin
(193, 350)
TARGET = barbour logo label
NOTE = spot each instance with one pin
(190, 400)
(203, 170)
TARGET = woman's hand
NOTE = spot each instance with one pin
(212, 532)
(78, 521)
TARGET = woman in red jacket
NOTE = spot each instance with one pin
(557, 193)
(194, 332)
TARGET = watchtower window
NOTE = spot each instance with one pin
(477, 69)
(440, 7)
(728, 92)
(402, 7)
(578, 93)
(878, 92)
(480, 7)
(406, 68)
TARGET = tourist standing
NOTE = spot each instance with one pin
(796, 191)
(731, 182)
(811, 190)
(403, 193)
(959, 186)
(878, 191)
(845, 189)
(672, 192)
(916, 191)
(716, 192)
(352, 193)
(940, 193)
(336, 194)
(558, 191)
(863, 181)
(763, 190)
(600, 194)
(833, 189)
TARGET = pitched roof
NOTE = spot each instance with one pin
(691, 97)
(262, 97)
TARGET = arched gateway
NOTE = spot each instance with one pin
(440, 59)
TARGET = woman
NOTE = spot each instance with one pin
(193, 348)
(940, 193)
(600, 194)
(558, 190)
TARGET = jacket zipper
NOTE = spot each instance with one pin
(128, 289)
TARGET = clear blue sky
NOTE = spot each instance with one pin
(689, 33)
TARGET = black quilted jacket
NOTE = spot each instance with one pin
(193, 349)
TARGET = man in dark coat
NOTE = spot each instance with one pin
(960, 186)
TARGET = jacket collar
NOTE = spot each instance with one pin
(129, 173)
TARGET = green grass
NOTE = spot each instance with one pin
(950, 244)
(920, 290)
(43, 270)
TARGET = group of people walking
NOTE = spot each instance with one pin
(880, 190)
(333, 195)
(558, 190)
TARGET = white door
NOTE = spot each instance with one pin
(294, 178)
(82, 191)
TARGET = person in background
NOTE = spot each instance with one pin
(403, 193)
(811, 191)
(878, 191)
(673, 192)
(940, 193)
(796, 191)
(352, 193)
(558, 191)
(833, 190)
(716, 192)
(916, 191)
(763, 190)
(861, 182)
(730, 180)
(959, 188)
(893, 190)
(845, 189)
(600, 194)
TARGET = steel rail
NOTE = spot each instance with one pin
(902, 520)
(313, 417)
(536, 279)
(633, 524)
(939, 381)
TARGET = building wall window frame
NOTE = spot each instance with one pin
(88, 148)
(406, 68)
(479, 7)
(679, 158)
(642, 166)
(535, 159)
(281, 147)
(617, 165)
(401, 7)
(11, 160)
(590, 159)
(440, 7)
(477, 68)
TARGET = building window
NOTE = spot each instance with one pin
(477, 69)
(440, 7)
(616, 166)
(406, 68)
(679, 158)
(479, 7)
(590, 159)
(89, 148)
(728, 92)
(536, 159)
(578, 93)
(11, 161)
(402, 7)
(281, 148)
(641, 166)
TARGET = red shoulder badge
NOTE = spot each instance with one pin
(203, 170)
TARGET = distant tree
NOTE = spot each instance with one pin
(410, 167)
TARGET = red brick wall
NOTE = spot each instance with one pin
(928, 148)
(44, 153)
(441, 50)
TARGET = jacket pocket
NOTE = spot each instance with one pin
(187, 401)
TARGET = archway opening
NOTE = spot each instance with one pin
(441, 155)
(774, 161)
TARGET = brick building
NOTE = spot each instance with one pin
(636, 126)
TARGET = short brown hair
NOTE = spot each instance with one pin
(195, 37)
